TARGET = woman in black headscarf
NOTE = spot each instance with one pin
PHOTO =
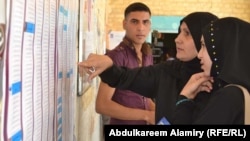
(164, 81)
(224, 56)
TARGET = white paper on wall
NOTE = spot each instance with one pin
(115, 37)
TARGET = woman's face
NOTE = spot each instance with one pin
(185, 45)
(206, 62)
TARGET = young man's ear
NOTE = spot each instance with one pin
(124, 24)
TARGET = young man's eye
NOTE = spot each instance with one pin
(146, 22)
(134, 21)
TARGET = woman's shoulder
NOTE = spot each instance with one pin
(169, 68)
(174, 65)
(229, 93)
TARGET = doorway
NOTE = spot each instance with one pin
(165, 30)
(163, 43)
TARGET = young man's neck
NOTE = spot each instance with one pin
(137, 47)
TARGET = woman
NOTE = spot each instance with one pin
(224, 56)
(163, 81)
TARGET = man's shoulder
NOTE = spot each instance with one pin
(118, 49)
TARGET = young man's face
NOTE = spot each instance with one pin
(137, 26)
(185, 45)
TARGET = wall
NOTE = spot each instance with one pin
(222, 8)
(91, 40)
(38, 70)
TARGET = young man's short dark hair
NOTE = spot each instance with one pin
(137, 6)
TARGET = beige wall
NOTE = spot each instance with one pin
(88, 124)
(222, 8)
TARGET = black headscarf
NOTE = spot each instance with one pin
(228, 44)
(195, 22)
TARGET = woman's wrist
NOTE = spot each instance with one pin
(185, 94)
(183, 99)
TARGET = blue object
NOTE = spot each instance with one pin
(163, 121)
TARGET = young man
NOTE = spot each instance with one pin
(124, 106)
